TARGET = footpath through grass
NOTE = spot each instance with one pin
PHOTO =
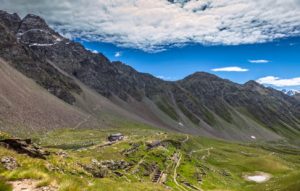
(185, 162)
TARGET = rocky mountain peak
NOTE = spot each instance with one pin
(253, 84)
(259, 88)
(11, 21)
(31, 21)
(202, 76)
(291, 92)
(34, 31)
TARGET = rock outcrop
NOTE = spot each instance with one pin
(9, 163)
(25, 146)
(101, 169)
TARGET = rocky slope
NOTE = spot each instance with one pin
(25, 104)
(201, 103)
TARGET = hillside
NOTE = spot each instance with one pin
(72, 120)
(201, 103)
(147, 159)
(25, 105)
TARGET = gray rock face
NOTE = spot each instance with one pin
(33, 22)
(11, 21)
(15, 47)
(268, 105)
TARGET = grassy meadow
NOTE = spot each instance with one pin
(187, 162)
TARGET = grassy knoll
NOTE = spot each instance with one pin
(188, 162)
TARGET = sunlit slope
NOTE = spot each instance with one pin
(181, 162)
(25, 107)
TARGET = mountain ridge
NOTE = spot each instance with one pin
(203, 103)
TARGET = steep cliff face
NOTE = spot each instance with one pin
(17, 52)
(201, 103)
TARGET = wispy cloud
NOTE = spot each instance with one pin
(276, 81)
(93, 51)
(230, 69)
(259, 61)
(118, 54)
(153, 25)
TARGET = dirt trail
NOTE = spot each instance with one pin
(87, 118)
(175, 173)
(30, 185)
(208, 153)
(180, 187)
(186, 139)
(204, 156)
(83, 121)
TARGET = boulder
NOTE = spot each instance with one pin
(9, 163)
(101, 169)
(25, 146)
(96, 169)
(115, 165)
(62, 154)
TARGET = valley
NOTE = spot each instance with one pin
(149, 159)
(72, 120)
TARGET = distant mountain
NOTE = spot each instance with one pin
(201, 103)
(291, 92)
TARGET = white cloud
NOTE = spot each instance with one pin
(93, 51)
(276, 81)
(230, 69)
(153, 25)
(259, 61)
(118, 54)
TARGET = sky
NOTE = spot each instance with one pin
(240, 40)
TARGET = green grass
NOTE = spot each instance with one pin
(168, 109)
(4, 135)
(219, 164)
(187, 113)
(4, 186)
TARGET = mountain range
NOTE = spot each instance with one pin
(291, 92)
(48, 82)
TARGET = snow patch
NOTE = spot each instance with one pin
(39, 30)
(253, 137)
(259, 177)
(58, 39)
(37, 44)
(291, 92)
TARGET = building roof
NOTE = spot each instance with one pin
(116, 135)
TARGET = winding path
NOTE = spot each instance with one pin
(204, 156)
(186, 139)
(87, 118)
(83, 121)
(175, 173)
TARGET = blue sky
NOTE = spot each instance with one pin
(282, 59)
(210, 35)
